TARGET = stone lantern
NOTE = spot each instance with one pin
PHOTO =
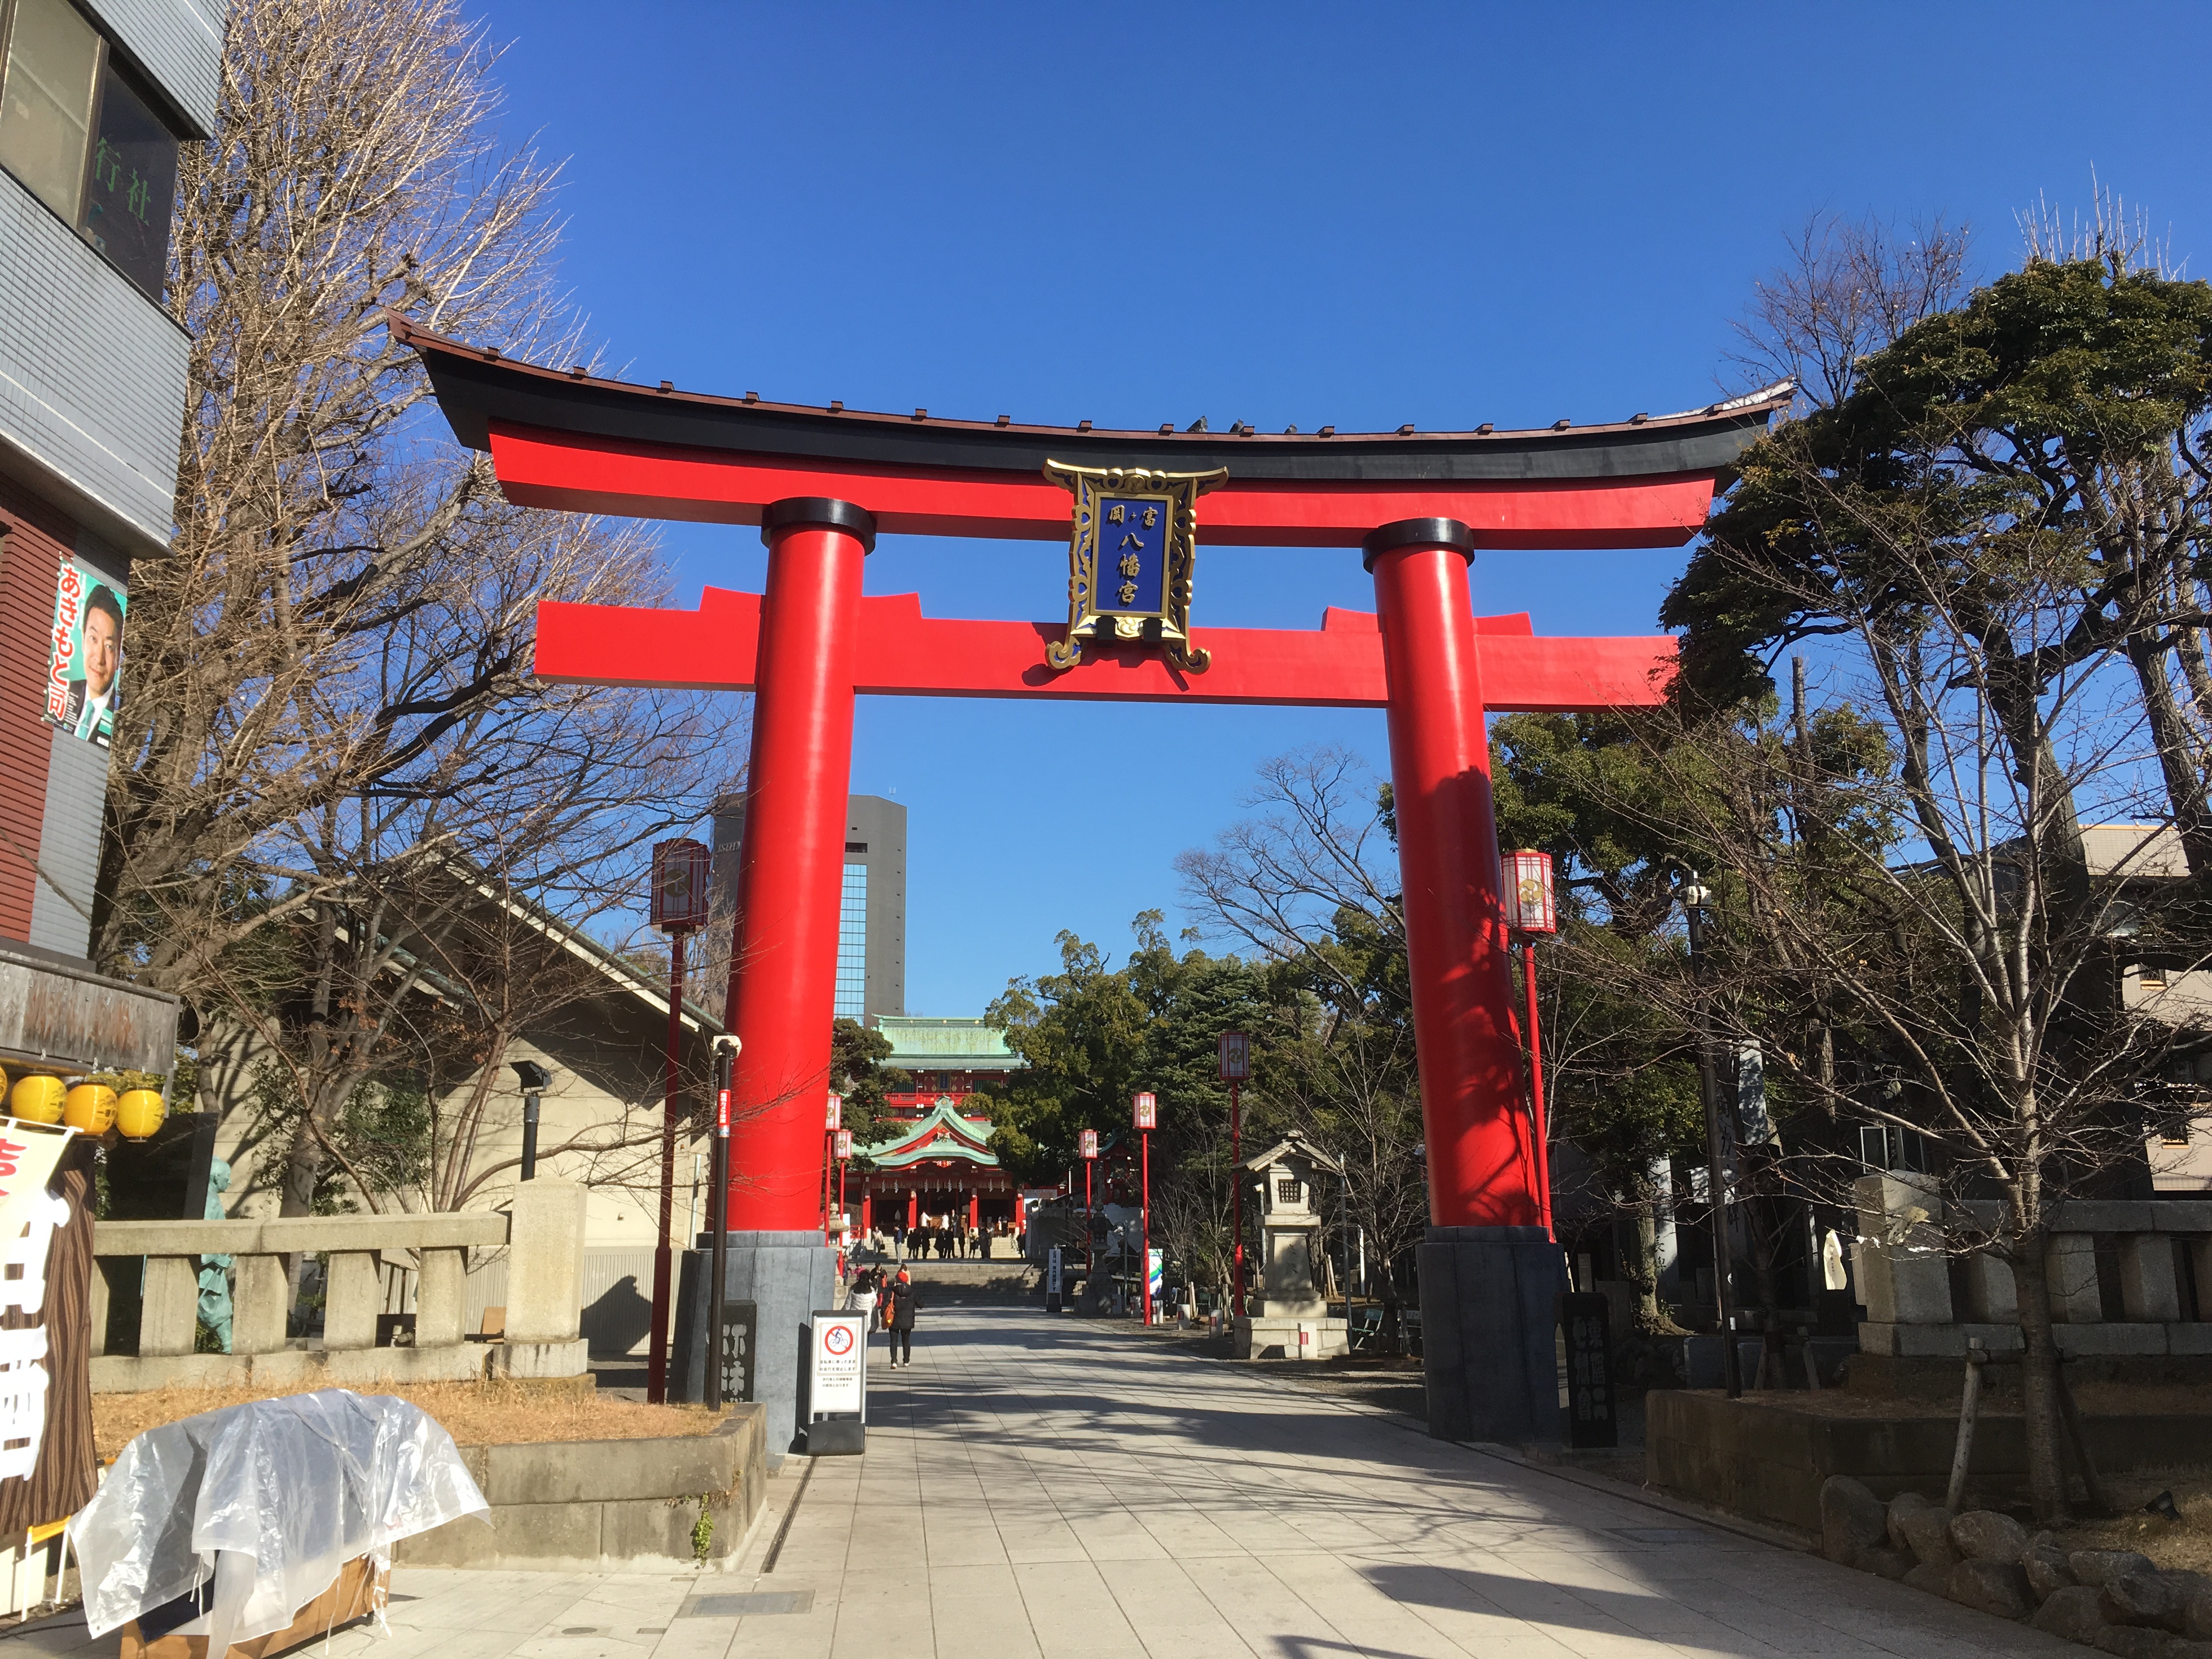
(1290, 1319)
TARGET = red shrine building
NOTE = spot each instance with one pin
(937, 1169)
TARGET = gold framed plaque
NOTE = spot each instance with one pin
(1130, 553)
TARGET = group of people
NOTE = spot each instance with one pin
(890, 1299)
(947, 1241)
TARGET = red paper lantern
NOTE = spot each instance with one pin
(1235, 1057)
(1147, 1112)
(1087, 1142)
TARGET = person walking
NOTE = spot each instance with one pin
(864, 1295)
(905, 1300)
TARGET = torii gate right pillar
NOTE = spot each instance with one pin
(1489, 1271)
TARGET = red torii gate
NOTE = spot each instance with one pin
(820, 483)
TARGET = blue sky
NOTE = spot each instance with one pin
(1310, 214)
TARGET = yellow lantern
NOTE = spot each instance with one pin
(37, 1098)
(139, 1113)
(89, 1108)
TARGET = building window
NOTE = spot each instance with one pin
(2174, 1132)
(2150, 978)
(853, 945)
(1287, 1188)
(1885, 1146)
(80, 135)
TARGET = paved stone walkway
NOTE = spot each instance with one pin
(1046, 1488)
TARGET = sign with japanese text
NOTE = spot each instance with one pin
(84, 654)
(28, 1215)
(1132, 546)
(841, 1364)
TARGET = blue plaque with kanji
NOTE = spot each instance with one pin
(1132, 545)
(1133, 554)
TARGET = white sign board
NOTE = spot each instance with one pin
(840, 1364)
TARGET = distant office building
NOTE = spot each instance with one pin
(872, 911)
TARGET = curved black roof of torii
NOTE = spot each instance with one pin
(476, 385)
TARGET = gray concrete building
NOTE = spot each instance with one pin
(96, 97)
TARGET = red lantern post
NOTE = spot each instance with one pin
(833, 1122)
(1236, 1066)
(681, 896)
(1146, 1110)
(1087, 1145)
(1531, 908)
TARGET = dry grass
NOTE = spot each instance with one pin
(2182, 1545)
(491, 1413)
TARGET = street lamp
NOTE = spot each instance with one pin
(536, 1079)
(1696, 898)
(1087, 1145)
(1236, 1066)
(683, 899)
(1146, 1111)
(1530, 909)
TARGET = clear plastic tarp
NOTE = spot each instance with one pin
(268, 1501)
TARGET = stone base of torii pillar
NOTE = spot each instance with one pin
(1489, 1306)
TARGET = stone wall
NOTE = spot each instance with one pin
(607, 1505)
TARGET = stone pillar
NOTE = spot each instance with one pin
(168, 1318)
(264, 1306)
(440, 1297)
(1902, 1275)
(353, 1294)
(2149, 1288)
(546, 1261)
(1991, 1296)
(2071, 1262)
(1667, 1249)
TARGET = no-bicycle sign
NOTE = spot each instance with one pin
(840, 1375)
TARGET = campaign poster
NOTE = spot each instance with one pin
(84, 664)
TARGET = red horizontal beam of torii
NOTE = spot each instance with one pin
(631, 478)
(903, 653)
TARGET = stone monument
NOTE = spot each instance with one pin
(1287, 1315)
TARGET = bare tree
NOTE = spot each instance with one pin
(1960, 938)
(332, 701)
(1310, 882)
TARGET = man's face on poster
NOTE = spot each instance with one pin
(102, 652)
